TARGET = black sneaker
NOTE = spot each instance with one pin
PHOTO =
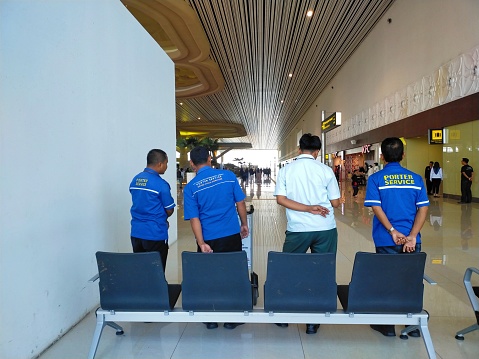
(211, 325)
(386, 330)
(231, 325)
(312, 328)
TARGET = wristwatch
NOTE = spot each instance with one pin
(390, 230)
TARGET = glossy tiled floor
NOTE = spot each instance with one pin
(450, 238)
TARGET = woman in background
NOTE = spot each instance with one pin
(355, 183)
(436, 178)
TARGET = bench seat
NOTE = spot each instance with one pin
(299, 289)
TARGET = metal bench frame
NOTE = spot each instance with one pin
(109, 318)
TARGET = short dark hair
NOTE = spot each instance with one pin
(465, 159)
(309, 142)
(199, 155)
(392, 149)
(156, 156)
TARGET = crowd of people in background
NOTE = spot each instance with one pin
(254, 174)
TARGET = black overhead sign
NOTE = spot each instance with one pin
(331, 122)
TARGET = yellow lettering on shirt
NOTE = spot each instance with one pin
(141, 182)
(398, 179)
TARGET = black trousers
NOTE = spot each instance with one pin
(428, 186)
(142, 245)
(225, 244)
(436, 182)
(355, 190)
(466, 193)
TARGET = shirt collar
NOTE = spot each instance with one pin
(149, 170)
(204, 168)
(393, 164)
(305, 155)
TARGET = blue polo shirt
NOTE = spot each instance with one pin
(211, 196)
(151, 198)
(399, 192)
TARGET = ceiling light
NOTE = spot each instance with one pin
(290, 75)
(281, 101)
(309, 13)
(199, 118)
(181, 103)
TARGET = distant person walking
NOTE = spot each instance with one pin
(427, 177)
(436, 178)
(467, 174)
(355, 183)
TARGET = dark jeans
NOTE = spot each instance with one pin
(142, 245)
(225, 244)
(436, 183)
(428, 186)
(466, 193)
(355, 190)
(395, 249)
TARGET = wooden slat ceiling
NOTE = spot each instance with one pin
(258, 43)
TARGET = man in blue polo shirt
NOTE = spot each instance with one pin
(152, 205)
(213, 199)
(399, 201)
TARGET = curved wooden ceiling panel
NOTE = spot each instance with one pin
(176, 28)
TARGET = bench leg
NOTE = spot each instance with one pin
(407, 330)
(119, 330)
(100, 324)
(466, 330)
(426, 336)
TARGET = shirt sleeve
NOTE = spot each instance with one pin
(190, 206)
(238, 192)
(166, 198)
(280, 189)
(372, 193)
(423, 199)
(333, 188)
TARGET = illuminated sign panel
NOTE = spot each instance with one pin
(331, 122)
(435, 136)
(365, 148)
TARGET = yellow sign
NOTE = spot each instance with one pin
(436, 135)
(454, 134)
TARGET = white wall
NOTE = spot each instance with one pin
(422, 36)
(85, 93)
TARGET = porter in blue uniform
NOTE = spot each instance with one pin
(213, 200)
(152, 205)
(399, 201)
